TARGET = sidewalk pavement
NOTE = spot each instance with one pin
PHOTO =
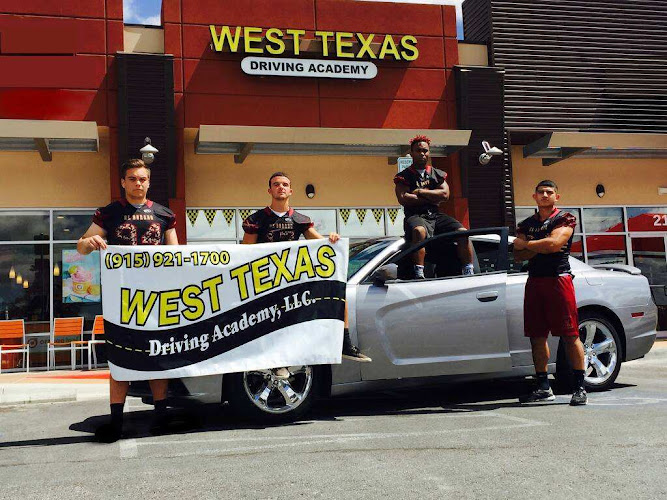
(60, 385)
(53, 386)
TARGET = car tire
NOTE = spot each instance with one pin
(259, 397)
(602, 351)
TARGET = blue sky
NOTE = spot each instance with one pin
(148, 11)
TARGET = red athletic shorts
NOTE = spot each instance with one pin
(549, 305)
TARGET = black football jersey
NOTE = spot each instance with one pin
(269, 227)
(550, 264)
(127, 225)
(432, 178)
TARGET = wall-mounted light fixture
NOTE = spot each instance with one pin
(310, 191)
(599, 190)
(662, 190)
(56, 270)
(12, 273)
(148, 151)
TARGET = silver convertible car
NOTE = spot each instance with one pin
(446, 328)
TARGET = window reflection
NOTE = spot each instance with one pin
(70, 225)
(25, 296)
(606, 249)
(604, 220)
(22, 226)
(647, 219)
(649, 256)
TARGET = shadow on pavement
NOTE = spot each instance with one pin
(468, 397)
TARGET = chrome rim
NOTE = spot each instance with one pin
(600, 351)
(278, 396)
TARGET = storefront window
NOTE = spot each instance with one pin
(361, 222)
(649, 256)
(211, 224)
(70, 225)
(24, 282)
(647, 219)
(24, 226)
(604, 220)
(76, 284)
(606, 249)
(324, 220)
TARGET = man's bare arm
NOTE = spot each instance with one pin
(311, 234)
(553, 243)
(434, 196)
(92, 240)
(408, 199)
(170, 237)
(249, 238)
(523, 254)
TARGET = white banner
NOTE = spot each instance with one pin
(183, 311)
(316, 68)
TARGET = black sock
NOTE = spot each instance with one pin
(346, 337)
(117, 415)
(578, 379)
(542, 381)
(160, 407)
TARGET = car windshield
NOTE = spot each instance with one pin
(361, 253)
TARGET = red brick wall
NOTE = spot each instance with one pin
(403, 95)
(56, 62)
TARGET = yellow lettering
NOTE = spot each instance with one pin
(325, 35)
(248, 38)
(281, 268)
(304, 264)
(342, 44)
(274, 36)
(195, 305)
(295, 35)
(135, 305)
(365, 46)
(168, 305)
(409, 44)
(389, 47)
(238, 274)
(225, 34)
(327, 266)
(260, 271)
(211, 285)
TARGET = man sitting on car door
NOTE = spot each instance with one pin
(420, 189)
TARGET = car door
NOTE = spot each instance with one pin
(439, 326)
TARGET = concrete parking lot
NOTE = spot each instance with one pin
(467, 441)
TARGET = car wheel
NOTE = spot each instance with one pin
(602, 354)
(258, 396)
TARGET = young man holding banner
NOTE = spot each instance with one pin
(279, 222)
(135, 220)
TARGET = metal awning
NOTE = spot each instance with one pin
(557, 146)
(243, 140)
(47, 136)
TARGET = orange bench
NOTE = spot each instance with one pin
(64, 328)
(12, 330)
(98, 330)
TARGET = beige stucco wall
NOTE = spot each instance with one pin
(143, 40)
(216, 181)
(70, 180)
(626, 182)
(472, 54)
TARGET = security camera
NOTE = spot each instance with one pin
(148, 152)
(489, 152)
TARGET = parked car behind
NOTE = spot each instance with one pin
(446, 328)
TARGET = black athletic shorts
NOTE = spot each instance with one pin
(433, 223)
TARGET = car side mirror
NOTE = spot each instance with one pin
(385, 273)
